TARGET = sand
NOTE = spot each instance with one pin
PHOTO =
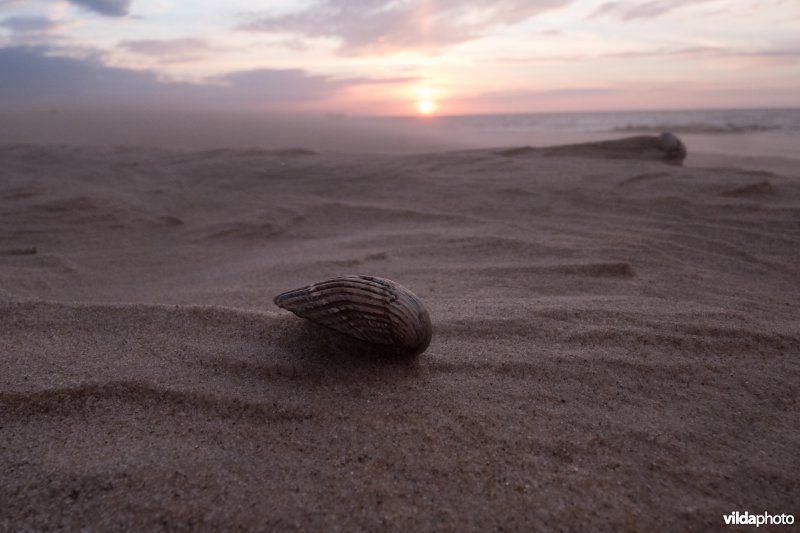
(616, 342)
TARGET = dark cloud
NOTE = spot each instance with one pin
(280, 85)
(111, 8)
(29, 24)
(386, 26)
(638, 10)
(36, 76)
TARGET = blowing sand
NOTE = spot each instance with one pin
(616, 342)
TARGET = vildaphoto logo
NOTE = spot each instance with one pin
(747, 519)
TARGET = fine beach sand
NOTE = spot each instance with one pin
(616, 342)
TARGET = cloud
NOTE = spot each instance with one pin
(292, 84)
(652, 9)
(37, 76)
(170, 50)
(281, 85)
(30, 24)
(386, 26)
(111, 8)
(551, 33)
(698, 52)
(563, 98)
(550, 94)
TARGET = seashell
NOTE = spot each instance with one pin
(371, 309)
(672, 146)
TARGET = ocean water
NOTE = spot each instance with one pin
(740, 132)
(711, 121)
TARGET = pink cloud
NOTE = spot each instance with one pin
(171, 50)
(386, 26)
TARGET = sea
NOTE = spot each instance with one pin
(740, 132)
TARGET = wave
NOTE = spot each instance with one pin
(696, 127)
(709, 121)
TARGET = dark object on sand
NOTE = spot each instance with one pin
(371, 309)
(666, 147)
(673, 147)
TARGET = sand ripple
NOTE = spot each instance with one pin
(615, 342)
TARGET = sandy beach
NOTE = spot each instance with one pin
(616, 341)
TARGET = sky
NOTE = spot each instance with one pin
(402, 57)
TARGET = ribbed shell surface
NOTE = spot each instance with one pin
(371, 309)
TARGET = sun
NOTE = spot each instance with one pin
(426, 107)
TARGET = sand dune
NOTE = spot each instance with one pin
(615, 341)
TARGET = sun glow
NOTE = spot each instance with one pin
(426, 107)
